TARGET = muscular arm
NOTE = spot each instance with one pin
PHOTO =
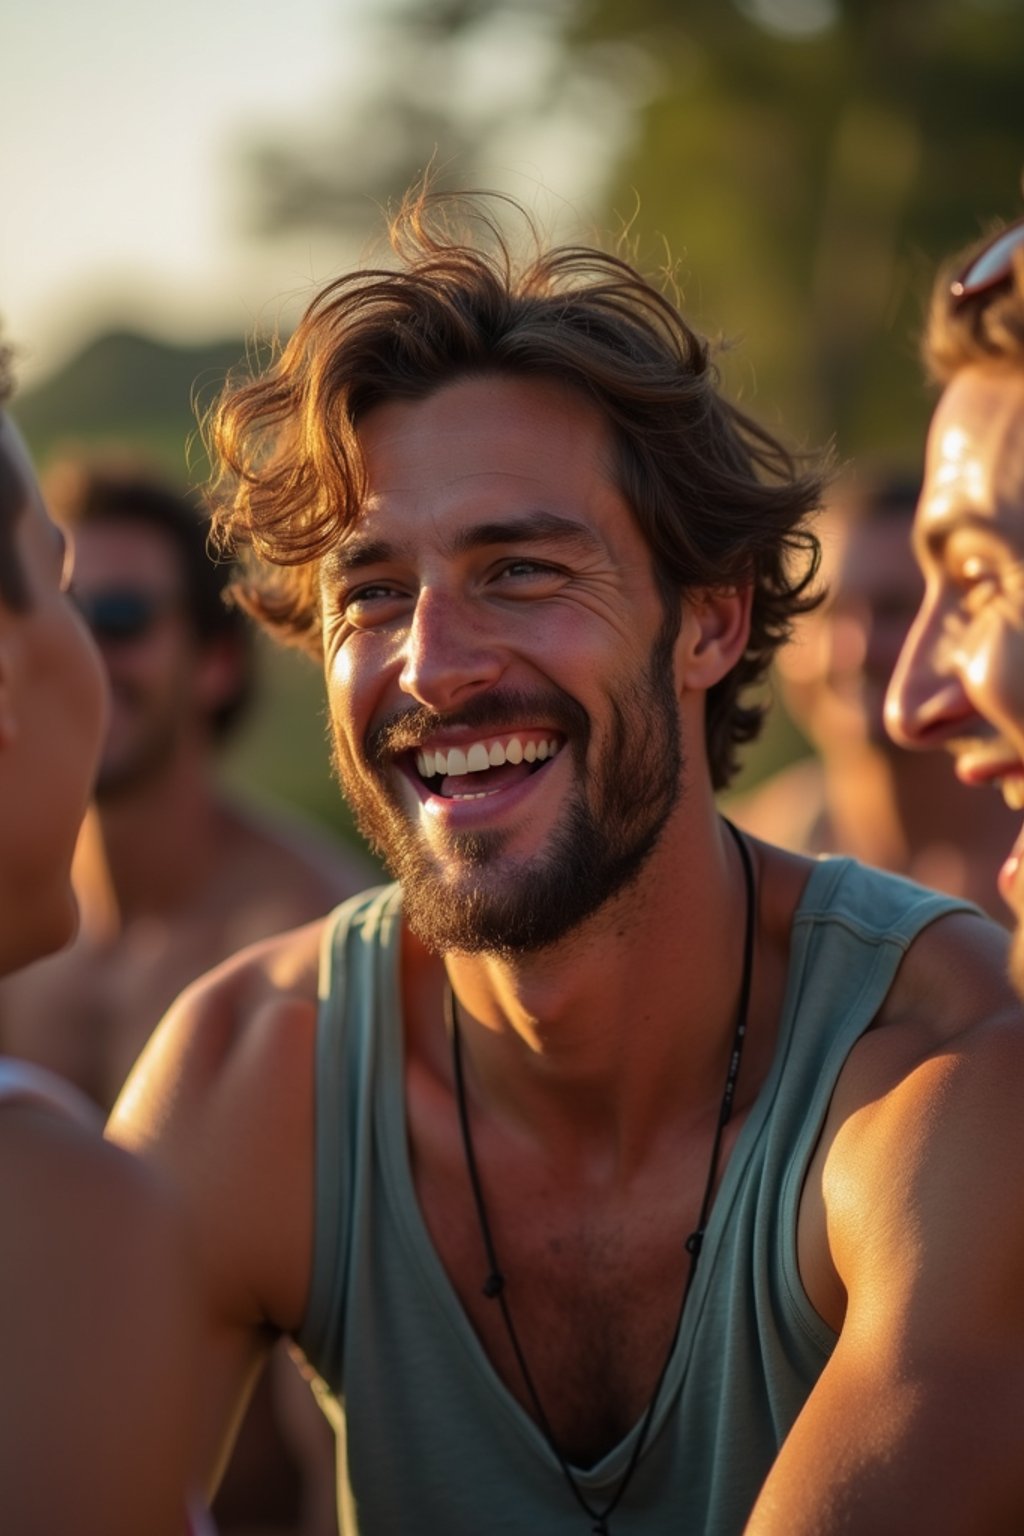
(913, 1424)
(99, 1321)
(222, 1102)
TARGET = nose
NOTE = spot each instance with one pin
(925, 702)
(451, 651)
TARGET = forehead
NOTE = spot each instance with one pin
(485, 444)
(974, 467)
(120, 550)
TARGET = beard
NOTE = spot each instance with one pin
(473, 898)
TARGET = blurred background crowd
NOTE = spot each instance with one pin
(180, 180)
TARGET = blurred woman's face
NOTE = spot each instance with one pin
(53, 710)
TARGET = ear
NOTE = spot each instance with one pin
(713, 635)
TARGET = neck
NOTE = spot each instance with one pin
(895, 809)
(566, 1039)
(147, 851)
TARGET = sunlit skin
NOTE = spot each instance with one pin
(489, 595)
(959, 683)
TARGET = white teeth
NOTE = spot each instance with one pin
(479, 757)
(1013, 793)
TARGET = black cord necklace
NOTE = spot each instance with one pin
(494, 1285)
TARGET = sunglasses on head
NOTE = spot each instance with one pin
(122, 613)
(992, 265)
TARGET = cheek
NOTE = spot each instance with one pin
(90, 695)
(994, 674)
(352, 687)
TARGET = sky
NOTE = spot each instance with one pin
(121, 127)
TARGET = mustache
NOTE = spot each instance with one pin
(490, 712)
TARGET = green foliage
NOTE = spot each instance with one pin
(810, 185)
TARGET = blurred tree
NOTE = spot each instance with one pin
(806, 161)
(810, 161)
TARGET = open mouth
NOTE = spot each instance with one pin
(475, 769)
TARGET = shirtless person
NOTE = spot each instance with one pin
(98, 1315)
(171, 874)
(959, 686)
(628, 1175)
(860, 793)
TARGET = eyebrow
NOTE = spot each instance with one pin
(356, 554)
(938, 533)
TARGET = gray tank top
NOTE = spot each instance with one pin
(430, 1440)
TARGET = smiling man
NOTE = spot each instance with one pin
(959, 684)
(614, 1171)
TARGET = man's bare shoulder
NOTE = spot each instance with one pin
(927, 1109)
(249, 1015)
(222, 1099)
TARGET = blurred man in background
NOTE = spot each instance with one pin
(860, 794)
(959, 685)
(171, 875)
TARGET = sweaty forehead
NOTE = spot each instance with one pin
(488, 425)
(486, 460)
(975, 462)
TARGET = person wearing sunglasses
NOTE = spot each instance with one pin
(172, 873)
(959, 684)
(99, 1316)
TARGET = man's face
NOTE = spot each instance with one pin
(836, 669)
(499, 667)
(52, 718)
(959, 683)
(128, 581)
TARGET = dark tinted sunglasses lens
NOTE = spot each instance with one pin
(991, 265)
(118, 615)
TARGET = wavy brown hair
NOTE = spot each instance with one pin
(984, 328)
(720, 502)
